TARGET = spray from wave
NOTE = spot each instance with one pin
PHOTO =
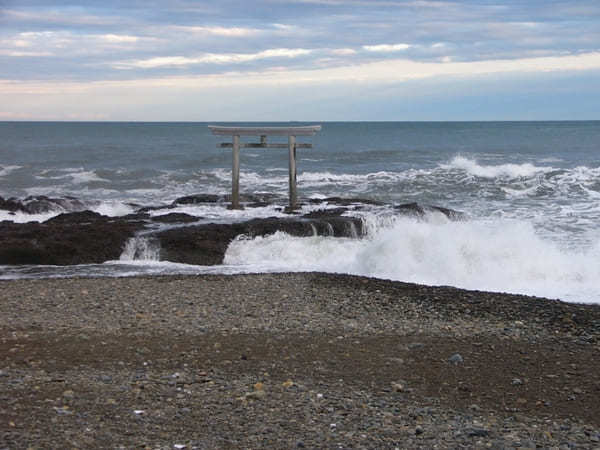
(501, 256)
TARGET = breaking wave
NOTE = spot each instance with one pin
(501, 256)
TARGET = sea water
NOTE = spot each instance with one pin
(530, 191)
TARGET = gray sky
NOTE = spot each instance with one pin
(309, 60)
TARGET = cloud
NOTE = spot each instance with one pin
(211, 58)
(219, 31)
(386, 48)
(343, 51)
(21, 54)
(57, 17)
(116, 38)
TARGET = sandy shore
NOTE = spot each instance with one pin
(292, 361)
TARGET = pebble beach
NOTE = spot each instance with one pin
(302, 360)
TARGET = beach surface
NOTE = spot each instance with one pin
(301, 360)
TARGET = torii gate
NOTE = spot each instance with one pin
(263, 132)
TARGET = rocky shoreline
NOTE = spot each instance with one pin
(87, 237)
(292, 361)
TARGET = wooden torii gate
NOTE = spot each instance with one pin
(263, 132)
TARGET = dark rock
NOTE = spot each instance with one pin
(199, 198)
(207, 244)
(201, 244)
(261, 198)
(135, 217)
(346, 201)
(419, 211)
(320, 213)
(77, 218)
(41, 204)
(478, 432)
(75, 238)
(175, 218)
(10, 204)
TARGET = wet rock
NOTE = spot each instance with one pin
(456, 359)
(11, 204)
(41, 204)
(346, 201)
(77, 218)
(226, 198)
(175, 218)
(206, 244)
(418, 210)
(73, 238)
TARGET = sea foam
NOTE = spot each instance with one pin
(472, 167)
(501, 256)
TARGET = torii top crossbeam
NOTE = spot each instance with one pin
(310, 130)
(263, 132)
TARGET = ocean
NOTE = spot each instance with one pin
(530, 192)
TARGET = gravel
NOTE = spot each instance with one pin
(292, 361)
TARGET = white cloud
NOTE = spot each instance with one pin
(118, 38)
(19, 54)
(211, 58)
(47, 17)
(343, 51)
(386, 48)
(219, 31)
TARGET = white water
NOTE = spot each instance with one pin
(139, 248)
(501, 256)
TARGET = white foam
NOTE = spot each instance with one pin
(77, 175)
(6, 170)
(502, 256)
(490, 171)
(139, 248)
(21, 217)
(113, 208)
(87, 176)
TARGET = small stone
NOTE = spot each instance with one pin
(255, 395)
(63, 410)
(300, 444)
(516, 382)
(418, 430)
(398, 387)
(478, 432)
(259, 386)
(287, 383)
(456, 359)
(68, 394)
(415, 346)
